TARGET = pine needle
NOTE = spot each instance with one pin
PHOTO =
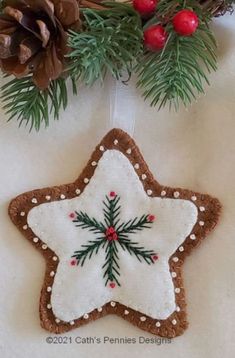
(31, 106)
(111, 42)
(179, 72)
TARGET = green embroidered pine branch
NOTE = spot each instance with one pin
(111, 42)
(112, 237)
(89, 249)
(85, 222)
(111, 211)
(111, 263)
(139, 251)
(178, 72)
(28, 104)
(134, 225)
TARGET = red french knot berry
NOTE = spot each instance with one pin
(155, 257)
(111, 234)
(155, 37)
(72, 215)
(145, 7)
(112, 194)
(151, 218)
(73, 262)
(112, 285)
(185, 22)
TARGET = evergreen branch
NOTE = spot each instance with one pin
(179, 71)
(89, 249)
(25, 102)
(111, 265)
(111, 210)
(166, 9)
(134, 225)
(85, 222)
(111, 41)
(140, 252)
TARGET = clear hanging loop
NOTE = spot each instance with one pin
(122, 106)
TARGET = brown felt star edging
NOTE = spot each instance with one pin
(208, 214)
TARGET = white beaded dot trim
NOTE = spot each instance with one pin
(54, 258)
(34, 201)
(143, 318)
(173, 274)
(194, 198)
(78, 191)
(93, 164)
(202, 208)
(44, 246)
(22, 213)
(174, 322)
(52, 273)
(175, 259)
(177, 309)
(137, 166)
(126, 312)
(128, 151)
(48, 197)
(62, 196)
(49, 306)
(177, 290)
(115, 142)
(149, 192)
(86, 316)
(86, 180)
(192, 237)
(49, 289)
(100, 309)
(102, 148)
(158, 324)
(25, 227)
(176, 194)
(57, 320)
(143, 176)
(163, 193)
(113, 304)
(71, 323)
(35, 239)
(181, 248)
(201, 223)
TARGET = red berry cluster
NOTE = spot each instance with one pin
(185, 23)
(111, 234)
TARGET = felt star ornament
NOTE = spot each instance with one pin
(114, 241)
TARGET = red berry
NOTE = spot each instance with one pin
(155, 257)
(115, 237)
(72, 215)
(151, 218)
(111, 234)
(155, 37)
(112, 194)
(185, 22)
(73, 262)
(110, 230)
(144, 7)
(112, 284)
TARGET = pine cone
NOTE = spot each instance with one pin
(33, 37)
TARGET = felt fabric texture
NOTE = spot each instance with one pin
(79, 290)
(188, 149)
(208, 211)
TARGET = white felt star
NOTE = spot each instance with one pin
(147, 288)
